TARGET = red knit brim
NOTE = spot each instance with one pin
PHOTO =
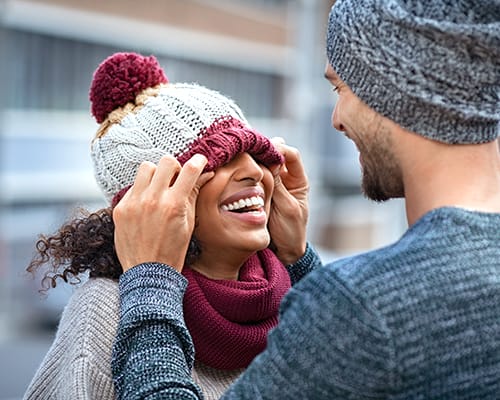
(221, 142)
(225, 139)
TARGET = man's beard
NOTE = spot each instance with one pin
(372, 189)
(381, 179)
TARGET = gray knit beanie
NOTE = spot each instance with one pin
(432, 66)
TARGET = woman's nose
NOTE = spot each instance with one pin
(249, 168)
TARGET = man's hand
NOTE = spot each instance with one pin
(154, 220)
(290, 207)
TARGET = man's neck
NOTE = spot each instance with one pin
(439, 175)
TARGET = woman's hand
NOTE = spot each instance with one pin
(154, 220)
(290, 207)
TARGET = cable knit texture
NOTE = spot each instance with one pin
(144, 117)
(431, 66)
(415, 320)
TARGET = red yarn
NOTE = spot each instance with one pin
(117, 197)
(227, 137)
(119, 79)
(229, 320)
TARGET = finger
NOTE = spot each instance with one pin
(281, 195)
(293, 173)
(293, 161)
(277, 141)
(275, 170)
(204, 178)
(189, 175)
(143, 177)
(166, 171)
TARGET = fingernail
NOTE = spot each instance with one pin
(199, 159)
(278, 139)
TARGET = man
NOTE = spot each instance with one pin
(418, 87)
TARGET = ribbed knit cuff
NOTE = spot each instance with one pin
(305, 264)
(152, 289)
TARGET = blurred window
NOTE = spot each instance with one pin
(47, 72)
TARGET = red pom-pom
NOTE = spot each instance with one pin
(119, 79)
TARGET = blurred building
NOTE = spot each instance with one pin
(267, 55)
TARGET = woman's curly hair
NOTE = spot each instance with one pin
(84, 245)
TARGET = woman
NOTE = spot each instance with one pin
(234, 281)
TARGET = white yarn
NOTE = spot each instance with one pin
(168, 123)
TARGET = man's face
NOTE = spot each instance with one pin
(370, 132)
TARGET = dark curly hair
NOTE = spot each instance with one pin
(84, 245)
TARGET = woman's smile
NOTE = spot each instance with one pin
(247, 205)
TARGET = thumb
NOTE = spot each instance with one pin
(280, 191)
(200, 182)
(204, 178)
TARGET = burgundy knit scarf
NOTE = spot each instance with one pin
(229, 320)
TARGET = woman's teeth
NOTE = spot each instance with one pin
(244, 203)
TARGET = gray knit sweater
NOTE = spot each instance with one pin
(78, 364)
(419, 319)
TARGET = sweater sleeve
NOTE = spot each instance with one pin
(328, 344)
(308, 262)
(153, 353)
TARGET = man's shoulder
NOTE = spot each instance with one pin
(369, 265)
(345, 272)
(362, 277)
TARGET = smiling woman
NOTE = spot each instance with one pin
(234, 281)
(235, 203)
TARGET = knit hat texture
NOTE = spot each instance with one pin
(144, 117)
(432, 66)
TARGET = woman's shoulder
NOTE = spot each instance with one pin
(78, 363)
(94, 303)
(95, 291)
(101, 284)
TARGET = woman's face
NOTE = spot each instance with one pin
(232, 211)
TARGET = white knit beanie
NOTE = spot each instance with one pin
(143, 117)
